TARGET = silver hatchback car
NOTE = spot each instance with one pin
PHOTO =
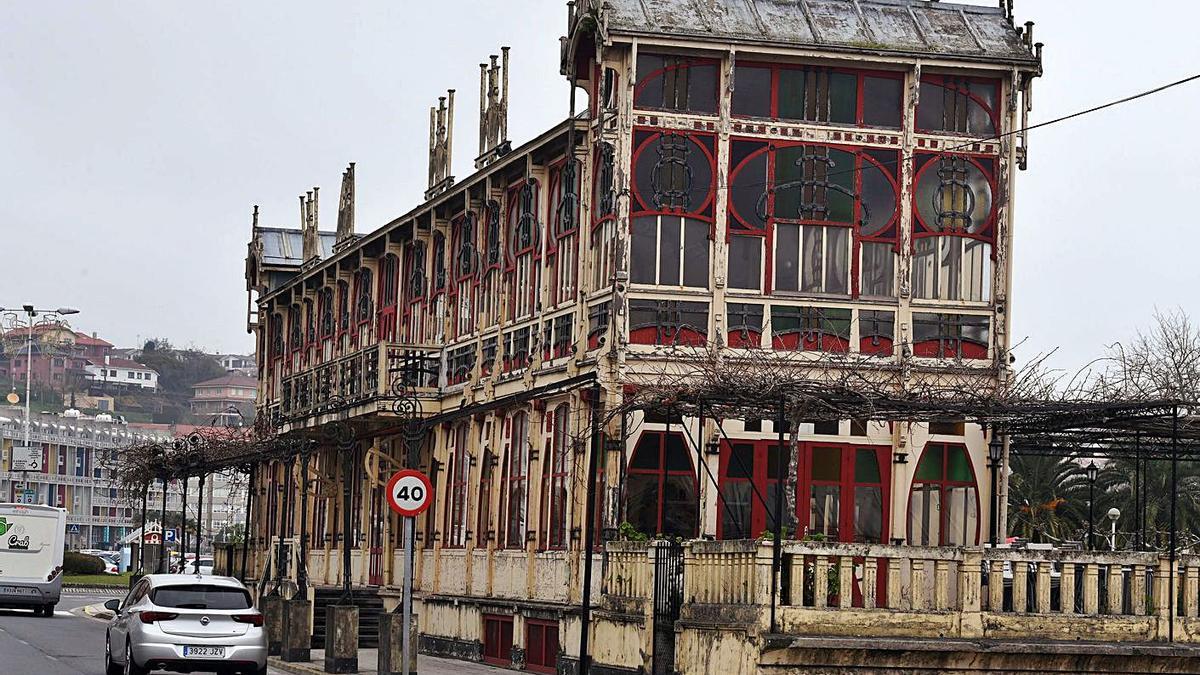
(185, 623)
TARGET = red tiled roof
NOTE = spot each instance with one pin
(85, 339)
(228, 380)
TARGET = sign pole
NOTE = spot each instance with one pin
(407, 600)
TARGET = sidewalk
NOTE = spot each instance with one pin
(368, 659)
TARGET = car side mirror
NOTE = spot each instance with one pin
(112, 605)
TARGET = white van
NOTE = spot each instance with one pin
(31, 556)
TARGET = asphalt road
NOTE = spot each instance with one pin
(66, 644)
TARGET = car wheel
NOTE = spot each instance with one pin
(110, 668)
(47, 611)
(132, 668)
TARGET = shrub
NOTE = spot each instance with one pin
(78, 563)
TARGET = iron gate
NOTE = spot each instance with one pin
(668, 597)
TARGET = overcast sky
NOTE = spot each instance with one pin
(135, 136)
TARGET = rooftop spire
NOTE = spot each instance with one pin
(493, 110)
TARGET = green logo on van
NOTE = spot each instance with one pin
(3, 525)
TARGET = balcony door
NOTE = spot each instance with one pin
(844, 492)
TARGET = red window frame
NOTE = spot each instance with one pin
(497, 639)
(662, 473)
(846, 483)
(325, 330)
(415, 288)
(541, 646)
(465, 262)
(986, 164)
(941, 81)
(344, 319)
(556, 477)
(860, 79)
(644, 140)
(513, 219)
(483, 523)
(682, 64)
(389, 279)
(515, 479)
(888, 234)
(439, 281)
(562, 249)
(761, 467)
(944, 483)
(457, 479)
(360, 321)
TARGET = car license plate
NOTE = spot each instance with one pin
(204, 652)
(17, 590)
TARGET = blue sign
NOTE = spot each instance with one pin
(74, 529)
(171, 536)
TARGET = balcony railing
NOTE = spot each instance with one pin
(361, 377)
(868, 590)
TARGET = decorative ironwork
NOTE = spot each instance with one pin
(525, 230)
(814, 187)
(954, 200)
(466, 259)
(568, 203)
(493, 233)
(671, 177)
(606, 198)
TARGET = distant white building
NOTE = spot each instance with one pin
(116, 372)
(238, 363)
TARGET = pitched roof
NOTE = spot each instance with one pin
(85, 339)
(127, 364)
(282, 246)
(914, 27)
(228, 380)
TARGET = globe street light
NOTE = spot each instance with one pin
(1113, 514)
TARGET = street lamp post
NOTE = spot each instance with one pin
(1092, 472)
(1113, 514)
(31, 313)
(995, 455)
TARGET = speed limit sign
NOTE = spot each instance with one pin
(409, 492)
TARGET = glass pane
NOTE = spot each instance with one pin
(949, 267)
(789, 518)
(644, 247)
(680, 507)
(823, 509)
(882, 101)
(645, 455)
(924, 261)
(930, 466)
(878, 200)
(695, 254)
(924, 513)
(961, 516)
(826, 463)
(932, 109)
(668, 257)
(752, 91)
(814, 249)
(837, 260)
(866, 466)
(735, 514)
(868, 514)
(787, 257)
(649, 94)
(843, 98)
(745, 262)
(641, 501)
(741, 461)
(977, 271)
(676, 454)
(983, 102)
(959, 465)
(776, 466)
(788, 178)
(745, 190)
(702, 88)
(878, 269)
(791, 94)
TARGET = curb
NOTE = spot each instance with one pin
(115, 591)
(290, 667)
(97, 612)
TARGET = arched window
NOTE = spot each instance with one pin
(326, 322)
(604, 216)
(516, 479)
(389, 280)
(489, 293)
(563, 246)
(943, 507)
(464, 265)
(343, 322)
(954, 209)
(458, 469)
(660, 492)
(557, 476)
(524, 249)
(362, 297)
(414, 290)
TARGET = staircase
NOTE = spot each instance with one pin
(369, 605)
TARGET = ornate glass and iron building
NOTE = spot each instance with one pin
(824, 184)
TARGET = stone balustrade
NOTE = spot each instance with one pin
(872, 590)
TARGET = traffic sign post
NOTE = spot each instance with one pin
(26, 458)
(409, 493)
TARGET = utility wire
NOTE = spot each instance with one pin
(996, 137)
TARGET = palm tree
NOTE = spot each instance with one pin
(1117, 482)
(1047, 499)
